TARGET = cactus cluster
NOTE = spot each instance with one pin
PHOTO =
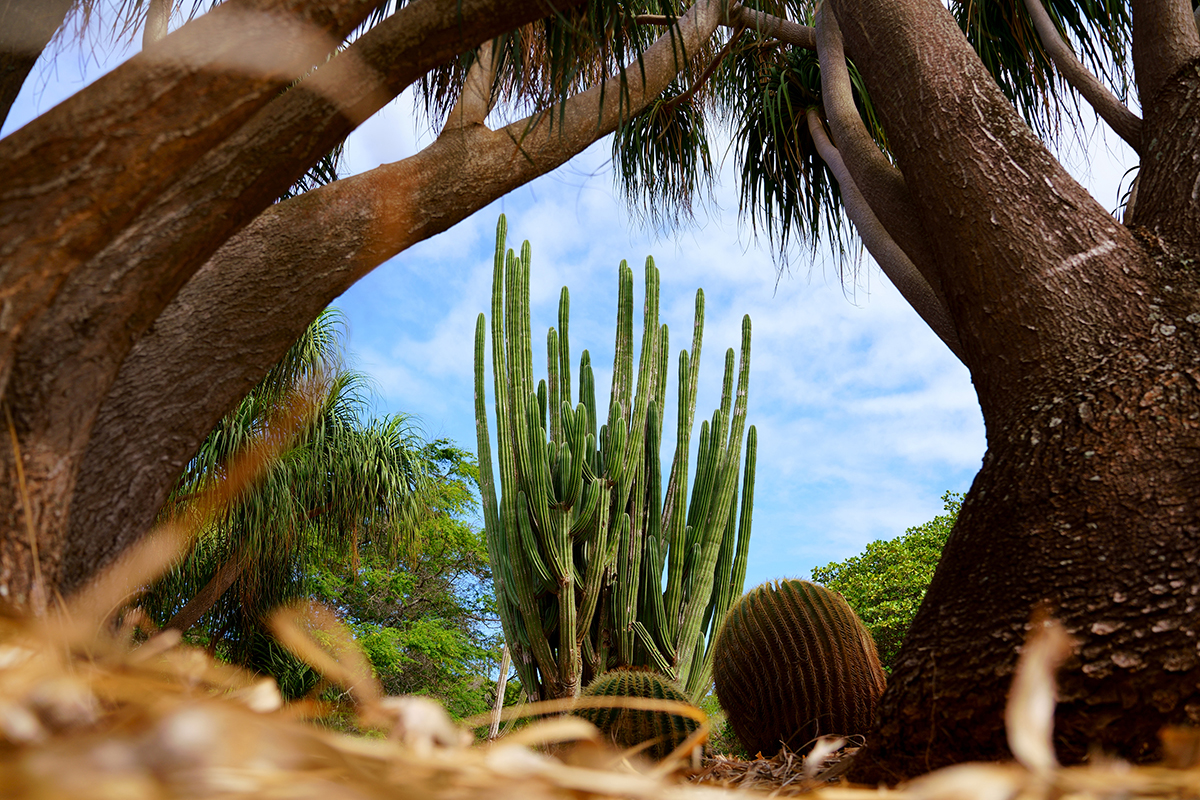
(595, 565)
(628, 727)
(794, 662)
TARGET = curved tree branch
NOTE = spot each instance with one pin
(242, 310)
(1124, 122)
(892, 260)
(881, 184)
(144, 267)
(764, 24)
(784, 30)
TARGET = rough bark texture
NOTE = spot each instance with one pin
(71, 180)
(257, 294)
(1081, 337)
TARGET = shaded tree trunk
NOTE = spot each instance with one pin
(1081, 336)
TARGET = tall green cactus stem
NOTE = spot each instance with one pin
(793, 662)
(595, 565)
(628, 727)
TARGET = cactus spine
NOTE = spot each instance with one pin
(794, 662)
(582, 534)
(628, 727)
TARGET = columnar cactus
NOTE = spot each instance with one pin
(793, 662)
(630, 727)
(582, 534)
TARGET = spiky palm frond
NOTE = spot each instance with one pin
(345, 482)
(787, 191)
(662, 160)
(541, 64)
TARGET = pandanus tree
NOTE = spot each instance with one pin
(149, 280)
(345, 484)
(583, 535)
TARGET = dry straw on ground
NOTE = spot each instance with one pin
(102, 718)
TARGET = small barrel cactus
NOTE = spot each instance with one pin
(628, 727)
(793, 662)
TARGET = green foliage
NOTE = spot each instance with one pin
(662, 159)
(426, 621)
(792, 664)
(885, 584)
(629, 727)
(359, 513)
(582, 536)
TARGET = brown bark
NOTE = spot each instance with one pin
(257, 294)
(1165, 38)
(1168, 198)
(28, 27)
(1081, 340)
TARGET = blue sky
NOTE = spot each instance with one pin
(864, 418)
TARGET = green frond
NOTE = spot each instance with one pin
(786, 189)
(344, 483)
(541, 64)
(662, 160)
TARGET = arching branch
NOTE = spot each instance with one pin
(881, 184)
(1124, 122)
(892, 260)
(242, 310)
(784, 30)
(71, 180)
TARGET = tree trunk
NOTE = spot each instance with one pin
(1086, 502)
(1081, 337)
(207, 597)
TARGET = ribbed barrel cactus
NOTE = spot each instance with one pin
(793, 662)
(628, 727)
(595, 564)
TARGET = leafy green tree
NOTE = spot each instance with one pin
(885, 584)
(427, 620)
(346, 487)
